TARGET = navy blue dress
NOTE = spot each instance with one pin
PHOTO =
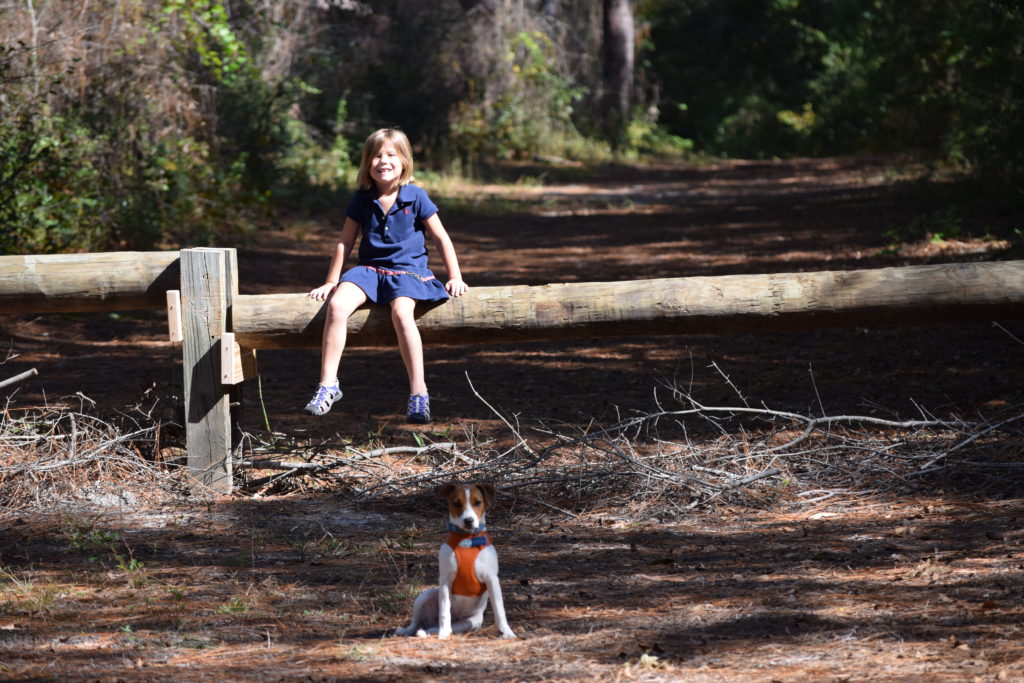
(392, 249)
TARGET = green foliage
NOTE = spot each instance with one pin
(101, 547)
(255, 132)
(935, 226)
(204, 25)
(313, 162)
(19, 595)
(647, 137)
(758, 78)
(129, 158)
(974, 208)
(530, 114)
(48, 185)
(234, 606)
(69, 184)
(728, 68)
(167, 122)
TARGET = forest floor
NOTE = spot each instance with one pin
(893, 579)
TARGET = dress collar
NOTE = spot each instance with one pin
(401, 198)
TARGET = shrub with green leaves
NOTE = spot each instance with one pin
(113, 137)
(48, 185)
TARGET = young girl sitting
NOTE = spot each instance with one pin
(393, 217)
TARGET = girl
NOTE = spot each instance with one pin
(393, 217)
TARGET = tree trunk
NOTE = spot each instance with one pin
(549, 8)
(617, 59)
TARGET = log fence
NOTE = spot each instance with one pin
(219, 330)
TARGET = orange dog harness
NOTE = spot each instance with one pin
(466, 548)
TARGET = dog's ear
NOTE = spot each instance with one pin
(445, 491)
(488, 491)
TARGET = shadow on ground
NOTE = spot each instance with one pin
(926, 587)
(290, 577)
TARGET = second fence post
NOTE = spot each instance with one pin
(208, 284)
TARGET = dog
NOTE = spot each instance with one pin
(468, 565)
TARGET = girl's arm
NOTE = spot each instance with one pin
(446, 250)
(341, 251)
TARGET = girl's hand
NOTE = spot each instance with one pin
(456, 287)
(323, 291)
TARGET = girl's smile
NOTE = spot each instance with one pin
(386, 165)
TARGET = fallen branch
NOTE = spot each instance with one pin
(339, 462)
(18, 379)
(664, 461)
(726, 453)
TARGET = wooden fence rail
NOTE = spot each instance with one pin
(218, 323)
(66, 283)
(947, 293)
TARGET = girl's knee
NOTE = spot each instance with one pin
(338, 306)
(345, 301)
(403, 310)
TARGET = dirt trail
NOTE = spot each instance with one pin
(869, 586)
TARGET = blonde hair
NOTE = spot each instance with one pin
(373, 145)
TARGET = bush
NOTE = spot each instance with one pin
(943, 80)
(48, 185)
(150, 124)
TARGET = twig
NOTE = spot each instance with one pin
(1008, 333)
(522, 442)
(667, 460)
(728, 381)
(279, 465)
(970, 439)
(17, 379)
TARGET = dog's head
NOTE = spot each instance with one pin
(467, 504)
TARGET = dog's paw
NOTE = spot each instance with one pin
(444, 634)
(421, 634)
(508, 634)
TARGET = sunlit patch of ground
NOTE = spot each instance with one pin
(911, 590)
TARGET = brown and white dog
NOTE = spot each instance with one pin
(468, 566)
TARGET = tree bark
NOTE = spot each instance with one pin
(617, 61)
(549, 8)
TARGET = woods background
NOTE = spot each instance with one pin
(164, 122)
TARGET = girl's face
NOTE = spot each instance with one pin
(386, 166)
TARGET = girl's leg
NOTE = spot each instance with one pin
(409, 342)
(342, 304)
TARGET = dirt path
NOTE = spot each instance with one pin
(871, 586)
(912, 590)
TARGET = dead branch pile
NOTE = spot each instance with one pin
(660, 463)
(673, 460)
(53, 456)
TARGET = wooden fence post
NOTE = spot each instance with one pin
(208, 284)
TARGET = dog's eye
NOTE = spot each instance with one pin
(477, 503)
(458, 504)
